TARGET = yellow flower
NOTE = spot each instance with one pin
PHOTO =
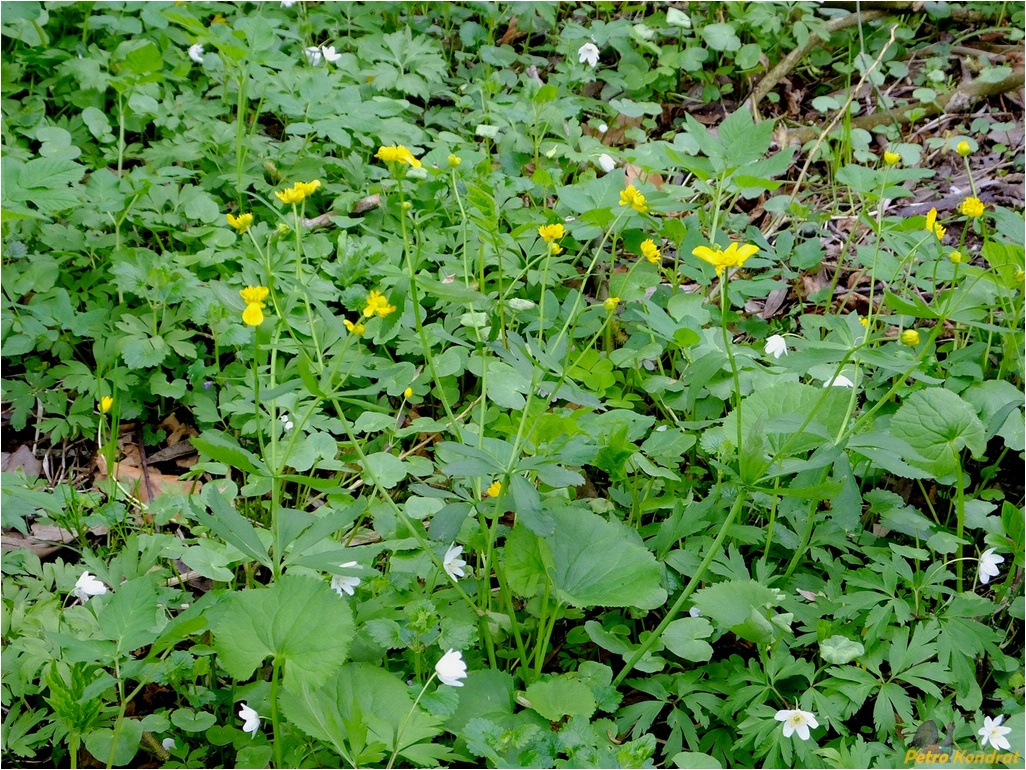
(910, 337)
(932, 226)
(396, 153)
(631, 197)
(956, 257)
(106, 403)
(556, 249)
(354, 328)
(254, 297)
(864, 321)
(972, 207)
(611, 303)
(550, 233)
(219, 19)
(651, 252)
(377, 303)
(241, 223)
(964, 149)
(734, 256)
(298, 192)
(891, 158)
(454, 160)
(408, 393)
(494, 489)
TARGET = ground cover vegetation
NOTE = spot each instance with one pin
(512, 385)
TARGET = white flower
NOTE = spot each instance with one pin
(993, 732)
(168, 743)
(289, 425)
(313, 55)
(451, 669)
(989, 562)
(588, 54)
(776, 346)
(328, 51)
(250, 720)
(840, 381)
(287, 3)
(603, 128)
(695, 612)
(797, 721)
(196, 53)
(606, 162)
(88, 586)
(453, 563)
(345, 583)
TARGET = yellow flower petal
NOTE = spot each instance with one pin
(106, 403)
(253, 315)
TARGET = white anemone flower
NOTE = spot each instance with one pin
(328, 51)
(451, 669)
(776, 346)
(992, 732)
(695, 612)
(453, 563)
(288, 3)
(840, 381)
(588, 54)
(313, 55)
(250, 720)
(196, 53)
(345, 583)
(606, 162)
(797, 721)
(88, 586)
(989, 562)
(168, 744)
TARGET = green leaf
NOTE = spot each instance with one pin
(561, 696)
(484, 692)
(192, 721)
(684, 638)
(721, 37)
(630, 109)
(144, 352)
(938, 425)
(99, 742)
(386, 467)
(228, 524)
(729, 603)
(131, 617)
(362, 712)
(299, 621)
(693, 759)
(840, 650)
(225, 449)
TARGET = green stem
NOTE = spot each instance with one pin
(960, 515)
(712, 553)
(275, 724)
(402, 726)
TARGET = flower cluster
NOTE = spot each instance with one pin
(254, 297)
(651, 252)
(377, 303)
(396, 153)
(972, 207)
(734, 256)
(550, 234)
(631, 197)
(298, 192)
(241, 223)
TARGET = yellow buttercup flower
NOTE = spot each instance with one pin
(550, 233)
(910, 337)
(892, 158)
(611, 303)
(219, 19)
(932, 226)
(956, 257)
(631, 197)
(864, 321)
(651, 252)
(494, 489)
(972, 207)
(396, 153)
(734, 256)
(298, 192)
(106, 403)
(354, 328)
(254, 297)
(241, 223)
(377, 303)
(964, 149)
(556, 249)
(454, 160)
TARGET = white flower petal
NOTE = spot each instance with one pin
(989, 562)
(588, 54)
(250, 720)
(451, 669)
(776, 346)
(329, 53)
(840, 381)
(168, 743)
(313, 55)
(606, 162)
(88, 586)
(196, 53)
(452, 562)
(797, 721)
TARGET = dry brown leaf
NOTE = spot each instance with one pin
(634, 174)
(43, 539)
(23, 458)
(161, 483)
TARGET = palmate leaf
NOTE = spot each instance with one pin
(363, 713)
(938, 424)
(299, 621)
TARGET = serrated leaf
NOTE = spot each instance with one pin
(561, 696)
(685, 638)
(298, 621)
(939, 424)
(840, 650)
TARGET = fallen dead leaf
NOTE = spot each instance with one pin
(23, 458)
